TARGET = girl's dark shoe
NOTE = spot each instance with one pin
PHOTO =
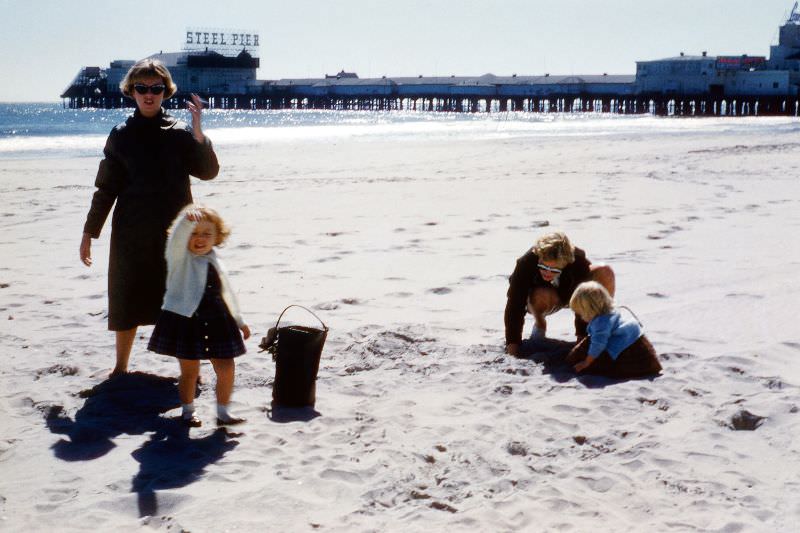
(191, 421)
(232, 421)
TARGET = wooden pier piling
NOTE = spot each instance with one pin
(654, 104)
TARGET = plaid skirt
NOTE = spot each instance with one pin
(637, 360)
(210, 333)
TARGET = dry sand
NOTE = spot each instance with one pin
(422, 423)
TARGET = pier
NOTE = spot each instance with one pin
(656, 104)
(683, 85)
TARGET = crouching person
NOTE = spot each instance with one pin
(616, 346)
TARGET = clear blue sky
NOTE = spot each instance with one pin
(44, 43)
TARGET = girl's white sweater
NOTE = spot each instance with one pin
(187, 273)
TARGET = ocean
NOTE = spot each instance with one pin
(45, 130)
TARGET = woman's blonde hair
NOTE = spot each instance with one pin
(591, 299)
(555, 247)
(147, 68)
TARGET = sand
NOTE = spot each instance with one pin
(422, 423)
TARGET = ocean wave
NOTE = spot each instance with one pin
(243, 128)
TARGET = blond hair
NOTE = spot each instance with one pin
(555, 247)
(211, 215)
(147, 68)
(591, 299)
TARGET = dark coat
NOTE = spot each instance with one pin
(146, 172)
(526, 277)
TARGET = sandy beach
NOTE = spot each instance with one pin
(403, 247)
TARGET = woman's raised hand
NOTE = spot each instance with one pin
(196, 109)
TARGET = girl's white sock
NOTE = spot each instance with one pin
(187, 410)
(222, 413)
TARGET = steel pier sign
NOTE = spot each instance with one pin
(220, 40)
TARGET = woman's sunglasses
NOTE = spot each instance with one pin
(154, 89)
(549, 268)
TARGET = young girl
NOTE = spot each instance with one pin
(616, 346)
(200, 316)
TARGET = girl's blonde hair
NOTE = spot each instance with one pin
(211, 215)
(555, 247)
(591, 299)
(146, 68)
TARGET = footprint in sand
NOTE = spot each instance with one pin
(744, 295)
(341, 475)
(63, 370)
(602, 484)
(400, 294)
(440, 290)
(517, 448)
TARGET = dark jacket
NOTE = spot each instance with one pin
(526, 277)
(146, 171)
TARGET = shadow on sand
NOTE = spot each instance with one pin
(281, 414)
(552, 354)
(133, 404)
(128, 404)
(171, 460)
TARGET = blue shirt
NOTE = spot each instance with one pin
(613, 333)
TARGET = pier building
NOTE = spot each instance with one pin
(702, 84)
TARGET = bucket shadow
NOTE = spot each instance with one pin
(127, 404)
(282, 414)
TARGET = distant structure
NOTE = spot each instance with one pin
(340, 75)
(220, 65)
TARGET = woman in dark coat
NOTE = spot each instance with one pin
(543, 282)
(146, 169)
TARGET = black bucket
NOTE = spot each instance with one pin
(296, 351)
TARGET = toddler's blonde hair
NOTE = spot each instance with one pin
(210, 215)
(591, 299)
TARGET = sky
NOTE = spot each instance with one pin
(44, 43)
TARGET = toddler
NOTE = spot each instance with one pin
(615, 346)
(200, 316)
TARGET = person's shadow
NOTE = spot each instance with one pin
(172, 460)
(127, 404)
(133, 404)
(552, 355)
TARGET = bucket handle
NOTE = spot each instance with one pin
(632, 313)
(301, 307)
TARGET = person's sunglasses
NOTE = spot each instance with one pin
(549, 268)
(157, 89)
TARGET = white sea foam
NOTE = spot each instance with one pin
(238, 129)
